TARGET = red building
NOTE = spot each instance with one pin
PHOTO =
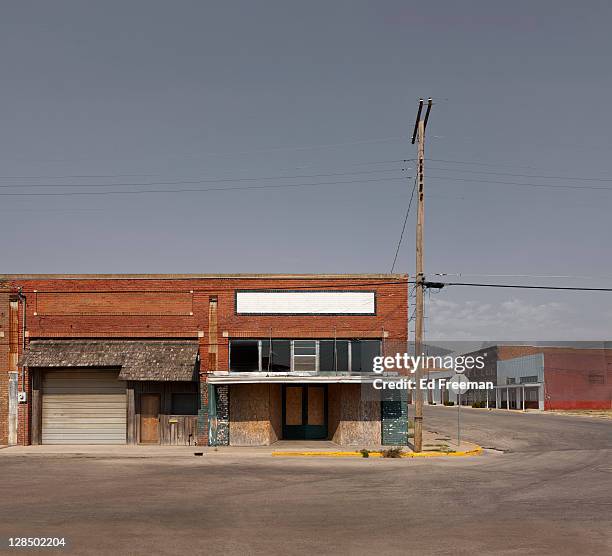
(568, 375)
(576, 375)
(207, 359)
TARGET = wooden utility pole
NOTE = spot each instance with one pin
(419, 134)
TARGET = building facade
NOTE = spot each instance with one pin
(572, 376)
(198, 359)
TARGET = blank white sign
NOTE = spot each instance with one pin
(313, 303)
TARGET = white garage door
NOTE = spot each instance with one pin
(83, 407)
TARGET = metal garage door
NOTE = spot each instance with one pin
(83, 407)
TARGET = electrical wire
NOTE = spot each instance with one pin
(69, 176)
(520, 286)
(472, 163)
(193, 190)
(203, 180)
(541, 185)
(541, 176)
(460, 274)
(75, 176)
(306, 147)
(399, 243)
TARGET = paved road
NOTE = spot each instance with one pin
(515, 431)
(550, 493)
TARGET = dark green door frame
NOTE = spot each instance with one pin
(304, 431)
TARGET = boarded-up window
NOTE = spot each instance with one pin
(293, 405)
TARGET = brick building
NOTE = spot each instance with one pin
(570, 375)
(206, 359)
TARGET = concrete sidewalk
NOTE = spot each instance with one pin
(432, 441)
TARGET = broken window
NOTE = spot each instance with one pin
(362, 355)
(334, 355)
(244, 356)
(281, 356)
(327, 355)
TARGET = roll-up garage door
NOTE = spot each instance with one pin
(83, 407)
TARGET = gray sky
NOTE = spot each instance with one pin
(187, 91)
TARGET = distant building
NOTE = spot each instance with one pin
(571, 376)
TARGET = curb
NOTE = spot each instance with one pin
(474, 452)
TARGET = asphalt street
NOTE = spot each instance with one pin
(544, 487)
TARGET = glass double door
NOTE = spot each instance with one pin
(305, 412)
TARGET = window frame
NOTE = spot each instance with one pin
(352, 344)
(315, 355)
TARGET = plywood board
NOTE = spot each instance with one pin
(250, 415)
(293, 405)
(316, 405)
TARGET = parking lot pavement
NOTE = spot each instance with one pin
(540, 497)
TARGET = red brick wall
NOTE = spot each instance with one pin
(4, 365)
(569, 377)
(179, 307)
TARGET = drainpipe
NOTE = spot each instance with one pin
(23, 300)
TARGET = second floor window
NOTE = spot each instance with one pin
(325, 355)
(305, 355)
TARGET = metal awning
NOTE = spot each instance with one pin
(287, 378)
(156, 360)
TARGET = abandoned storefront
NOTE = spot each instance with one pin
(113, 392)
(315, 389)
(199, 359)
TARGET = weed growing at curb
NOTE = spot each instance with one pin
(393, 452)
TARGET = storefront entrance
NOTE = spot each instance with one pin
(305, 412)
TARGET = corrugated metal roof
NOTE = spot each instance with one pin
(167, 360)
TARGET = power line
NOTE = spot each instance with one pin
(71, 176)
(303, 166)
(68, 176)
(194, 190)
(307, 147)
(438, 285)
(399, 243)
(270, 150)
(471, 163)
(541, 185)
(371, 282)
(459, 274)
(203, 180)
(548, 177)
